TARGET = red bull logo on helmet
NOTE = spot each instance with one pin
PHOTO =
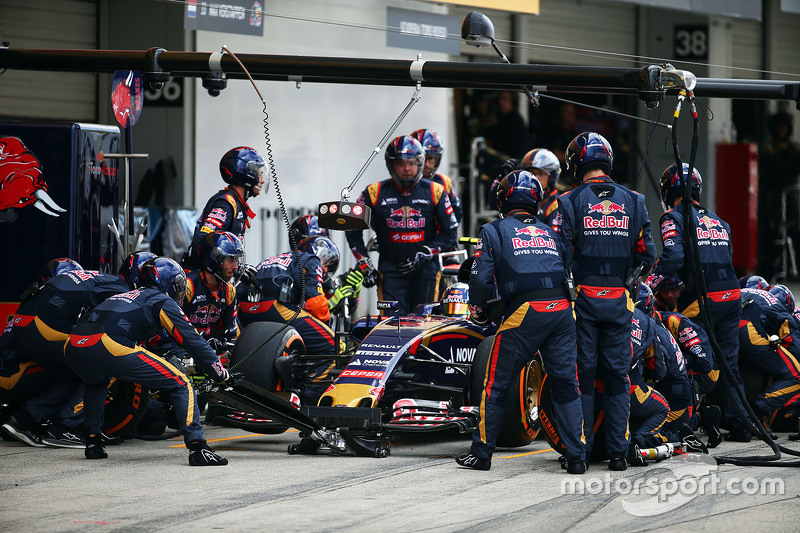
(21, 181)
(606, 208)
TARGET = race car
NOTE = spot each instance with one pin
(420, 373)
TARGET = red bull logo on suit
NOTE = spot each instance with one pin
(606, 208)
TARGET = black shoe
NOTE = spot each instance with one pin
(563, 460)
(23, 432)
(202, 455)
(635, 456)
(689, 441)
(109, 440)
(470, 461)
(739, 435)
(576, 466)
(59, 436)
(617, 464)
(94, 448)
(711, 416)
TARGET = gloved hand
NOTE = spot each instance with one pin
(248, 275)
(478, 315)
(653, 281)
(224, 376)
(355, 279)
(234, 378)
(509, 166)
(413, 264)
(342, 293)
(217, 345)
(371, 276)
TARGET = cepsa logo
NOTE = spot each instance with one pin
(409, 218)
(537, 238)
(711, 231)
(606, 208)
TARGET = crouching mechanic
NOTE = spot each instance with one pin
(522, 255)
(211, 305)
(104, 344)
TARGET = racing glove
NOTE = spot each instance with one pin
(413, 264)
(478, 315)
(355, 279)
(371, 276)
(509, 166)
(342, 293)
(217, 345)
(248, 276)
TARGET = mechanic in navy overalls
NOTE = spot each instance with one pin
(413, 221)
(104, 345)
(716, 255)
(432, 144)
(242, 168)
(211, 304)
(522, 256)
(763, 316)
(605, 230)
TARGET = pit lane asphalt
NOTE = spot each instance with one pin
(145, 486)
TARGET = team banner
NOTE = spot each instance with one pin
(530, 7)
(423, 31)
(233, 16)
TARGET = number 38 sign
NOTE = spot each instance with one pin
(691, 42)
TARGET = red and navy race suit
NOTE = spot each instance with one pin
(212, 312)
(522, 256)
(548, 208)
(649, 409)
(605, 231)
(674, 386)
(225, 211)
(724, 305)
(404, 222)
(696, 348)
(449, 188)
(763, 315)
(104, 344)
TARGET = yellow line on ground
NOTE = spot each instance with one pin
(249, 435)
(524, 454)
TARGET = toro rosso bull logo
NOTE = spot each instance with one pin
(606, 208)
(713, 229)
(21, 181)
(409, 218)
(537, 238)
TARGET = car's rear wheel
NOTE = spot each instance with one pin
(520, 418)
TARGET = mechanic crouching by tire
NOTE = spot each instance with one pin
(522, 255)
(605, 231)
(413, 221)
(104, 344)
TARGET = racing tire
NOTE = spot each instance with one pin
(521, 416)
(126, 404)
(259, 369)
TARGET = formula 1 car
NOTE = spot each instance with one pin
(404, 374)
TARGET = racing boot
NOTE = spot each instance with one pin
(617, 464)
(739, 435)
(689, 441)
(635, 456)
(710, 416)
(471, 461)
(201, 455)
(94, 448)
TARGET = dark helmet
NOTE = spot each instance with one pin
(326, 250)
(666, 283)
(544, 159)
(645, 300)
(673, 185)
(306, 226)
(133, 265)
(753, 282)
(215, 247)
(405, 147)
(782, 118)
(432, 144)
(166, 275)
(587, 151)
(241, 166)
(519, 190)
(455, 300)
(54, 267)
(784, 295)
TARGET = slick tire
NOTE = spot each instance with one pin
(520, 419)
(259, 369)
(126, 404)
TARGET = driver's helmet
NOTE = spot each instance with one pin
(455, 300)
